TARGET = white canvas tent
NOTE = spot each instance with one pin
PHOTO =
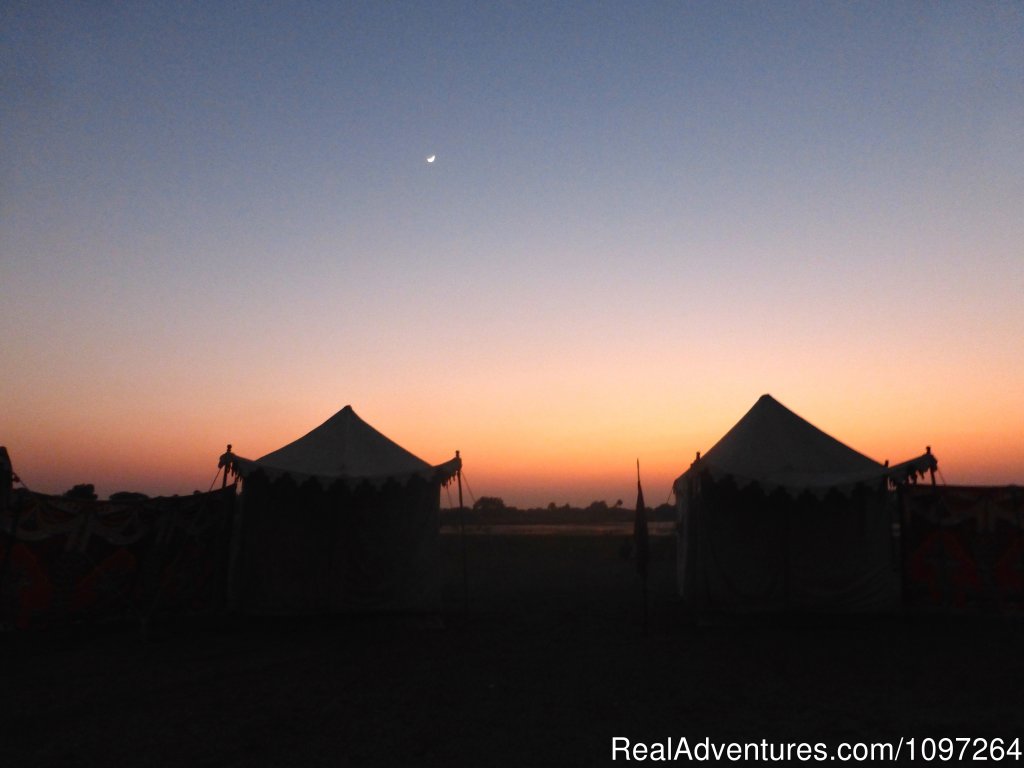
(342, 519)
(778, 515)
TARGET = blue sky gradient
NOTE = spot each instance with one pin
(217, 223)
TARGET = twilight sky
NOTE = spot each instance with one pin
(217, 224)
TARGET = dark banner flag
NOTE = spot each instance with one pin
(640, 538)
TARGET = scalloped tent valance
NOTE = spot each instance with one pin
(776, 448)
(343, 448)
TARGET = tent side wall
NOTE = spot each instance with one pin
(306, 550)
(745, 551)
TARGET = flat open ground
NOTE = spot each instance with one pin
(547, 665)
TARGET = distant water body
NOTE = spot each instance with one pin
(567, 529)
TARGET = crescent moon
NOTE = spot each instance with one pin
(432, 158)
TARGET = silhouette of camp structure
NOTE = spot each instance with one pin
(776, 516)
(780, 516)
(341, 519)
(963, 549)
(75, 559)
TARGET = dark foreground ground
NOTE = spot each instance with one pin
(549, 663)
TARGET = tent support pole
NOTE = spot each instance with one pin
(462, 539)
(224, 480)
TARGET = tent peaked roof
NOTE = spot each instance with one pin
(346, 447)
(775, 447)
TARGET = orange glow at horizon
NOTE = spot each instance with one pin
(526, 463)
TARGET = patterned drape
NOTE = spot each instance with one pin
(65, 561)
